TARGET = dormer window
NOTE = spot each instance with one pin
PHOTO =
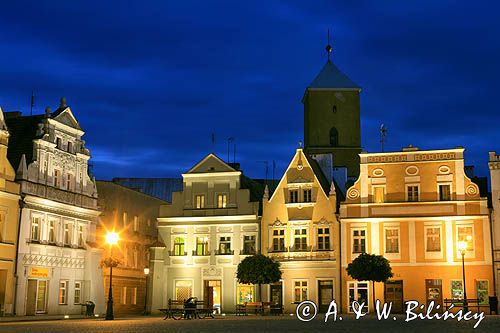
(70, 147)
(294, 196)
(59, 143)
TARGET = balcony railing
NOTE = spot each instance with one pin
(200, 253)
(296, 248)
(176, 253)
(219, 252)
(248, 252)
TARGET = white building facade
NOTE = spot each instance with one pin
(58, 263)
(207, 230)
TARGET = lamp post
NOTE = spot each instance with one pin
(112, 239)
(462, 247)
(146, 272)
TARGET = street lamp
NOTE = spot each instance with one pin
(462, 247)
(146, 272)
(112, 239)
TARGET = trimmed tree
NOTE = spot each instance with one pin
(370, 267)
(258, 269)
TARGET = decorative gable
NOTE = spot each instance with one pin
(67, 118)
(210, 164)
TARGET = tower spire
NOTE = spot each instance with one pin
(328, 47)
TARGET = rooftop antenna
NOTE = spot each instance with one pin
(383, 134)
(213, 142)
(32, 104)
(328, 47)
(234, 153)
(229, 140)
(266, 163)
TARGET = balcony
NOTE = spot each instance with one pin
(220, 252)
(307, 248)
(177, 253)
(200, 253)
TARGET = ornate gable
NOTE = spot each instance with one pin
(209, 164)
(67, 118)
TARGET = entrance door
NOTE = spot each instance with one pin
(213, 293)
(393, 292)
(358, 291)
(325, 294)
(277, 294)
(36, 301)
(434, 292)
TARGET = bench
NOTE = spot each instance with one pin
(252, 307)
(460, 302)
(178, 309)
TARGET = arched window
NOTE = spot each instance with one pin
(334, 137)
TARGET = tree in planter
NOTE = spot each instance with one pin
(258, 269)
(370, 267)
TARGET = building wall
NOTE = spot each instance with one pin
(133, 215)
(494, 165)
(308, 263)
(178, 274)
(415, 225)
(9, 223)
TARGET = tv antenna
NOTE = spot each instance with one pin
(383, 134)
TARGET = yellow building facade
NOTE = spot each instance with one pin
(9, 223)
(299, 229)
(414, 207)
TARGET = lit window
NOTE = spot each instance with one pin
(300, 291)
(433, 239)
(179, 246)
(78, 292)
(465, 233)
(134, 296)
(300, 243)
(378, 194)
(52, 231)
(202, 246)
(63, 292)
(221, 200)
(57, 178)
(200, 201)
(225, 245)
(245, 293)
(444, 192)
(324, 238)
(81, 239)
(412, 192)
(136, 223)
(68, 233)
(123, 297)
(125, 218)
(249, 244)
(136, 258)
(358, 241)
(294, 196)
(35, 228)
(183, 289)
(307, 195)
(391, 240)
(278, 240)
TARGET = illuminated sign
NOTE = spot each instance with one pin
(39, 272)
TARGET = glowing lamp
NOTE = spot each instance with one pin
(462, 246)
(146, 270)
(112, 238)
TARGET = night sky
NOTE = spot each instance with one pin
(150, 81)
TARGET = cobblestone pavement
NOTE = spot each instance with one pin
(253, 324)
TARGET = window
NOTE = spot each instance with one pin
(307, 195)
(300, 243)
(68, 233)
(221, 200)
(444, 192)
(59, 143)
(378, 194)
(136, 258)
(358, 240)
(57, 178)
(245, 293)
(35, 228)
(391, 240)
(136, 223)
(81, 181)
(52, 232)
(124, 219)
(63, 292)
(179, 246)
(183, 289)
(123, 298)
(334, 137)
(202, 246)
(465, 233)
(433, 239)
(300, 291)
(134, 296)
(412, 192)
(334, 109)
(358, 291)
(225, 245)
(278, 240)
(294, 196)
(78, 292)
(200, 201)
(248, 244)
(323, 238)
(70, 147)
(81, 239)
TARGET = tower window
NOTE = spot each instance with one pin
(334, 109)
(334, 137)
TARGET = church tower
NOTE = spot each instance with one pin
(332, 123)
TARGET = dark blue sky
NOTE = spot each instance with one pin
(150, 81)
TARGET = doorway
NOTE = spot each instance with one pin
(213, 294)
(393, 292)
(325, 294)
(277, 294)
(37, 297)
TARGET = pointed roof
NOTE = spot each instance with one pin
(210, 164)
(330, 77)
